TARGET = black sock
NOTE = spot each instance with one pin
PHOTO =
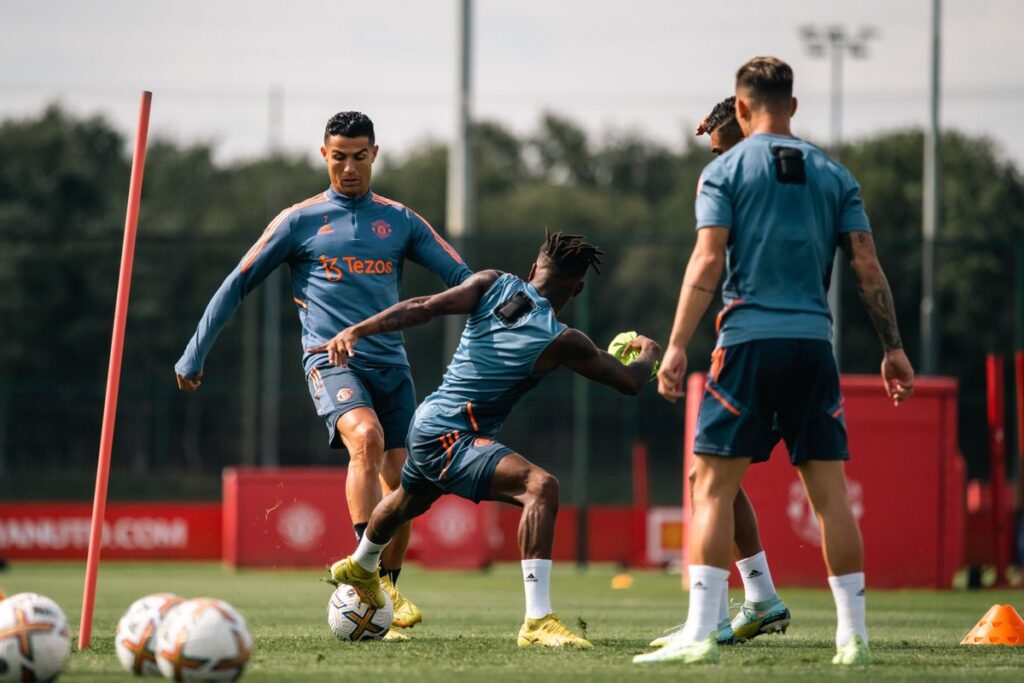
(360, 529)
(390, 573)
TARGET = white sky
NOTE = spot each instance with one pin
(653, 66)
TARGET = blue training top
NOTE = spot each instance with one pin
(492, 368)
(346, 257)
(784, 228)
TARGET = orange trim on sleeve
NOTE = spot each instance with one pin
(728, 406)
(440, 240)
(254, 250)
(300, 302)
(472, 420)
(839, 411)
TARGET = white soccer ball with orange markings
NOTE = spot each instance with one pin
(202, 640)
(136, 632)
(35, 640)
(353, 620)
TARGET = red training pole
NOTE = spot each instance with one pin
(124, 281)
(997, 463)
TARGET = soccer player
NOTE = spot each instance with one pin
(512, 339)
(345, 248)
(763, 610)
(772, 212)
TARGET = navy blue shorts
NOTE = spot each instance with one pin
(387, 390)
(771, 389)
(461, 463)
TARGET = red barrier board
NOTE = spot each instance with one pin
(905, 478)
(455, 533)
(285, 517)
(131, 531)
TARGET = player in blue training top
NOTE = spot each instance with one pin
(763, 610)
(345, 248)
(772, 212)
(512, 339)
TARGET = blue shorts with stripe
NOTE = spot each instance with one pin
(457, 462)
(765, 390)
(387, 390)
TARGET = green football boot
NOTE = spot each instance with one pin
(725, 634)
(755, 618)
(701, 652)
(854, 653)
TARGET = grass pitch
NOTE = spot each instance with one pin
(471, 618)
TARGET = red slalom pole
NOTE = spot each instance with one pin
(1001, 514)
(124, 281)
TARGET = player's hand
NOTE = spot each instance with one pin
(189, 385)
(340, 348)
(644, 345)
(671, 374)
(897, 375)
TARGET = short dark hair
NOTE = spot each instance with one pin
(769, 80)
(723, 113)
(569, 255)
(350, 124)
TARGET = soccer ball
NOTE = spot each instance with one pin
(35, 640)
(201, 640)
(352, 619)
(136, 632)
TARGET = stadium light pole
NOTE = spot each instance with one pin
(835, 43)
(459, 195)
(930, 209)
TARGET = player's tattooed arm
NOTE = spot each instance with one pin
(577, 352)
(873, 287)
(701, 288)
(419, 310)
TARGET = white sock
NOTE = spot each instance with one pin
(723, 611)
(848, 591)
(707, 585)
(537, 584)
(757, 579)
(367, 554)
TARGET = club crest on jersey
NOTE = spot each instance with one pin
(344, 394)
(381, 229)
(482, 441)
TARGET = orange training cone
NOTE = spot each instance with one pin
(1001, 625)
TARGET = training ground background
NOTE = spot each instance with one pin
(471, 618)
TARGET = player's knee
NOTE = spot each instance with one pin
(366, 444)
(544, 488)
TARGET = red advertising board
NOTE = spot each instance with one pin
(131, 531)
(285, 517)
(905, 478)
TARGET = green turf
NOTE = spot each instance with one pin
(471, 619)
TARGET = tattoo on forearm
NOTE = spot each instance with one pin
(700, 288)
(880, 307)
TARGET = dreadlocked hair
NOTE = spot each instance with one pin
(569, 254)
(721, 114)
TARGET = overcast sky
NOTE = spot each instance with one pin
(649, 66)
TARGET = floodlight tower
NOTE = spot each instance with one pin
(836, 43)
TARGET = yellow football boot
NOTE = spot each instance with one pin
(366, 583)
(407, 614)
(549, 632)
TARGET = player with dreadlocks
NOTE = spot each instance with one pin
(511, 341)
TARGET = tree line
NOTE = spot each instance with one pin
(63, 182)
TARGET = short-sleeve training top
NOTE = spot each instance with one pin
(783, 234)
